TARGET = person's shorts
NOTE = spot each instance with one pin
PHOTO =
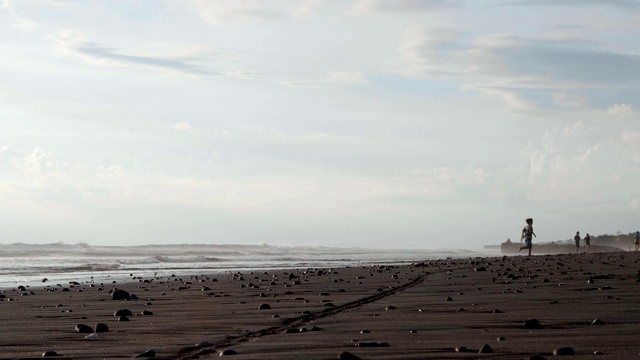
(527, 243)
(637, 242)
(587, 242)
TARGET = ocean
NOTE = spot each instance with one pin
(60, 263)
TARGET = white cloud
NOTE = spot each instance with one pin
(621, 110)
(367, 6)
(221, 12)
(349, 77)
(183, 126)
(25, 24)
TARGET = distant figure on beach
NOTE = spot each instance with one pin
(587, 243)
(527, 234)
(577, 239)
(637, 241)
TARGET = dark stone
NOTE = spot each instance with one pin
(84, 329)
(120, 295)
(123, 318)
(449, 298)
(462, 349)
(597, 322)
(532, 324)
(501, 338)
(228, 352)
(485, 349)
(146, 312)
(481, 268)
(101, 327)
(49, 353)
(365, 332)
(563, 351)
(148, 353)
(497, 311)
(123, 312)
(345, 355)
(391, 307)
(537, 357)
(264, 307)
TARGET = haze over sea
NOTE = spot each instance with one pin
(29, 264)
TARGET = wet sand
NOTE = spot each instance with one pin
(436, 310)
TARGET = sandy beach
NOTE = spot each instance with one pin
(585, 304)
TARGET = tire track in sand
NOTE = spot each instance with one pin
(195, 352)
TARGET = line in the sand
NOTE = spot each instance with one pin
(195, 352)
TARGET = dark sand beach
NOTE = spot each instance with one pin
(435, 309)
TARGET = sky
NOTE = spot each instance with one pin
(352, 123)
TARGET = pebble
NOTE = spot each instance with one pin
(102, 327)
(120, 295)
(532, 324)
(82, 328)
(485, 349)
(564, 351)
(148, 353)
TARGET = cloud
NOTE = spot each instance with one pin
(25, 24)
(349, 77)
(222, 12)
(367, 6)
(183, 126)
(621, 4)
(554, 71)
(621, 110)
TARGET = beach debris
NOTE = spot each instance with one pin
(49, 353)
(564, 351)
(149, 353)
(83, 329)
(123, 312)
(485, 349)
(345, 355)
(532, 324)
(102, 327)
(119, 294)
(228, 352)
(93, 336)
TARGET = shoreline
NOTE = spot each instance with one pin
(418, 311)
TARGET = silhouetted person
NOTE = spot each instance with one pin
(577, 239)
(637, 241)
(587, 242)
(527, 234)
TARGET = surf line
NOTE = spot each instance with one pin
(195, 352)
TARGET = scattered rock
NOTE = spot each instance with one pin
(345, 355)
(123, 312)
(532, 324)
(597, 322)
(102, 327)
(148, 353)
(93, 336)
(563, 351)
(485, 349)
(49, 353)
(120, 295)
(501, 338)
(228, 352)
(264, 307)
(84, 329)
